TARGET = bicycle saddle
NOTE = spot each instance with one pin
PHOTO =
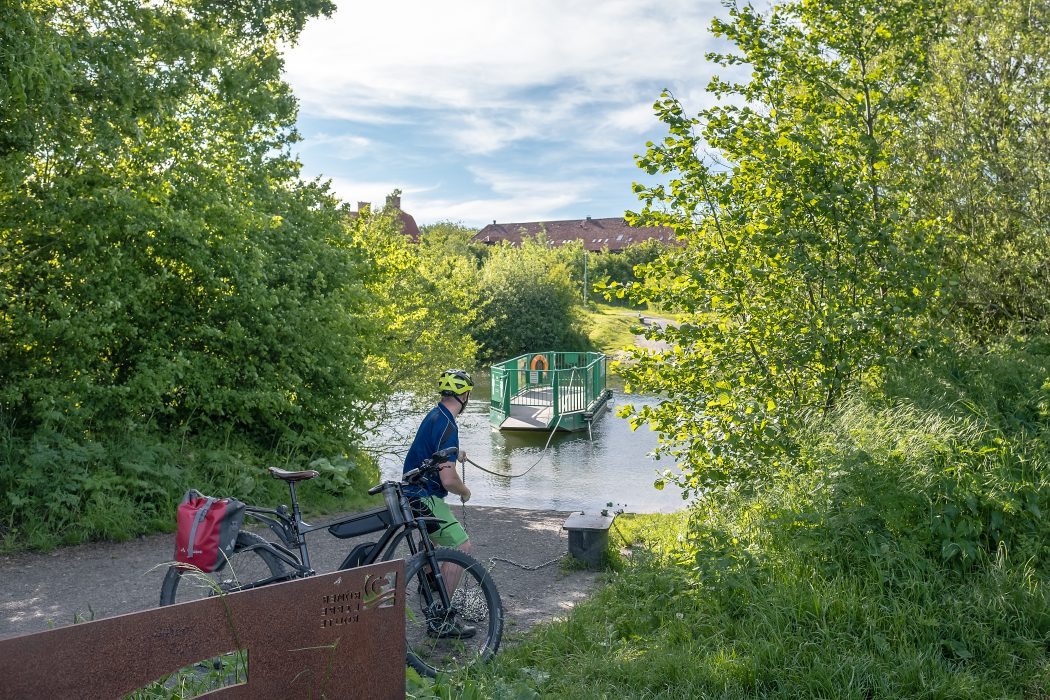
(293, 476)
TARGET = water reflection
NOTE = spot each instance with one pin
(576, 471)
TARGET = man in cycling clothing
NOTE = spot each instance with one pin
(439, 431)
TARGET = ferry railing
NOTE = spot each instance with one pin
(568, 382)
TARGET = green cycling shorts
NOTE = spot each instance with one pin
(449, 533)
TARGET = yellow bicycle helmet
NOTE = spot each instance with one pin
(454, 382)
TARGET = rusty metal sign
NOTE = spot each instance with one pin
(339, 635)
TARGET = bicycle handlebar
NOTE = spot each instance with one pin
(442, 456)
(428, 465)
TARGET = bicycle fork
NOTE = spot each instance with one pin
(436, 594)
(401, 511)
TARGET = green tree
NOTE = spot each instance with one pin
(987, 161)
(622, 269)
(447, 240)
(531, 301)
(426, 302)
(804, 267)
(178, 305)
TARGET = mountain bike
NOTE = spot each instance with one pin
(445, 630)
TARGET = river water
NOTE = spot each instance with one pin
(576, 472)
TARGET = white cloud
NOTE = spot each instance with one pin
(479, 212)
(480, 134)
(540, 186)
(636, 118)
(543, 103)
(343, 146)
(355, 192)
(473, 54)
(514, 197)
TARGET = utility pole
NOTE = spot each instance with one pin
(585, 295)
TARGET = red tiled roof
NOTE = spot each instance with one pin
(596, 234)
(408, 223)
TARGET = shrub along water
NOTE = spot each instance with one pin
(177, 306)
(70, 490)
(142, 267)
(900, 553)
(530, 301)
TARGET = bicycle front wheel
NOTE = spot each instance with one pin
(441, 639)
(245, 566)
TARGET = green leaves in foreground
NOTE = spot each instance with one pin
(804, 264)
(171, 289)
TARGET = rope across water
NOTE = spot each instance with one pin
(514, 476)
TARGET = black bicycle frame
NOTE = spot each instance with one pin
(292, 531)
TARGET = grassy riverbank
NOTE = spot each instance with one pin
(787, 628)
(612, 329)
(900, 553)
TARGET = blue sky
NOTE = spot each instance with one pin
(508, 111)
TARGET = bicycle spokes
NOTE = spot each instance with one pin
(443, 638)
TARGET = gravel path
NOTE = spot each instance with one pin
(93, 581)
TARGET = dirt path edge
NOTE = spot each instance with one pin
(93, 581)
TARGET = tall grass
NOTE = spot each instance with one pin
(790, 631)
(901, 553)
(611, 329)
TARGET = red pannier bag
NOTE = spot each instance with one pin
(207, 530)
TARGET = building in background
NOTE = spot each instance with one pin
(597, 234)
(393, 202)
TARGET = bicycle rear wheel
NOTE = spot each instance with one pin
(245, 566)
(437, 638)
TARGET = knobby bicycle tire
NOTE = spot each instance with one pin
(433, 635)
(245, 566)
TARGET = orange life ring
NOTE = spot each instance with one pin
(538, 360)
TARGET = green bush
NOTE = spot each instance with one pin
(607, 268)
(421, 290)
(529, 302)
(68, 491)
(948, 469)
(982, 156)
(900, 551)
(179, 308)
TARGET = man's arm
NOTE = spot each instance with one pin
(451, 481)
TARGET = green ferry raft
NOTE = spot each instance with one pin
(549, 391)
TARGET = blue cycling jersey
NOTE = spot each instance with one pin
(438, 431)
